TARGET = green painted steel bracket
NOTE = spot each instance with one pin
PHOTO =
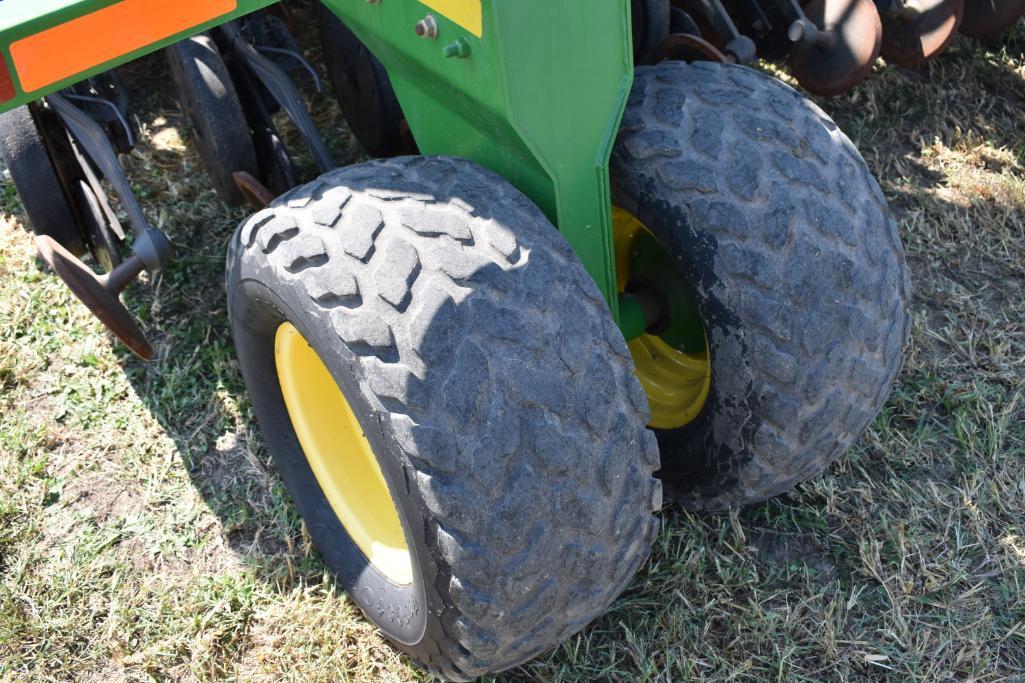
(537, 96)
(72, 29)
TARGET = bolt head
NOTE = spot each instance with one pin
(427, 27)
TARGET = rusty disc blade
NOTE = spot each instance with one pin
(90, 290)
(684, 47)
(987, 19)
(252, 189)
(847, 54)
(923, 33)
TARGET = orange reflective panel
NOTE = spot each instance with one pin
(6, 86)
(106, 34)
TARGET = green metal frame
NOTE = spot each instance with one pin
(538, 97)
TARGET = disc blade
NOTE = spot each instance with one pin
(923, 33)
(987, 19)
(89, 289)
(846, 58)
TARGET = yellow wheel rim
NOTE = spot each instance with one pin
(340, 455)
(677, 383)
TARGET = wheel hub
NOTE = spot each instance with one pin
(672, 357)
(340, 455)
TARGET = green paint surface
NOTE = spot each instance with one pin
(538, 99)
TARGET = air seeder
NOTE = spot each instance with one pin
(477, 367)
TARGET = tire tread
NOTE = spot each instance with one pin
(517, 459)
(778, 195)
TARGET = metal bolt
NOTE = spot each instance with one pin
(427, 27)
(460, 48)
(804, 32)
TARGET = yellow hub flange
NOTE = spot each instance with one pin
(340, 455)
(677, 383)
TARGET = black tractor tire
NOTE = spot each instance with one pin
(495, 389)
(213, 113)
(651, 21)
(42, 195)
(796, 263)
(364, 91)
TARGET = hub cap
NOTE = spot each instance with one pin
(340, 456)
(673, 362)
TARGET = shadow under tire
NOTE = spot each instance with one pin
(795, 262)
(495, 390)
(214, 113)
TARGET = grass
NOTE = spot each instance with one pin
(144, 534)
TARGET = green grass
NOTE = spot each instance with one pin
(144, 533)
